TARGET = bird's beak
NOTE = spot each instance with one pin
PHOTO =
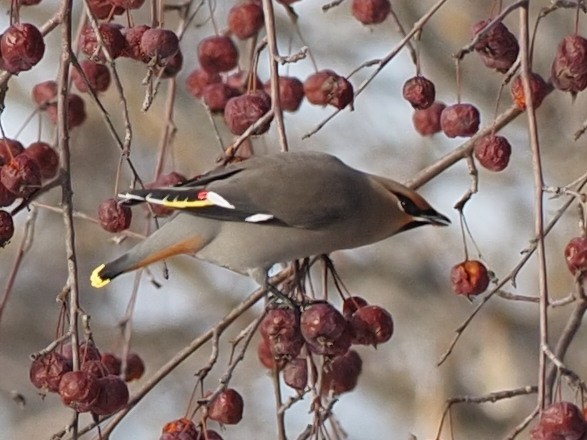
(432, 217)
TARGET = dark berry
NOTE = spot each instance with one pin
(569, 68)
(245, 19)
(351, 305)
(325, 330)
(295, 374)
(370, 11)
(498, 48)
(102, 9)
(281, 329)
(45, 92)
(159, 43)
(243, 111)
(113, 216)
(135, 367)
(419, 92)
(469, 278)
(21, 175)
(79, 389)
(113, 396)
(291, 92)
(9, 149)
(493, 152)
(576, 255)
(113, 40)
(326, 87)
(198, 79)
(76, 111)
(98, 77)
(172, 65)
(371, 325)
(47, 369)
(538, 89)
(427, 121)
(215, 96)
(560, 421)
(22, 47)
(217, 54)
(180, 429)
(227, 407)
(132, 47)
(7, 198)
(342, 373)
(112, 363)
(46, 157)
(460, 120)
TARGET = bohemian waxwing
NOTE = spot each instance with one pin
(271, 209)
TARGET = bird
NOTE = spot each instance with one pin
(269, 209)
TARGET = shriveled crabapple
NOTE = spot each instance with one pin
(560, 421)
(419, 92)
(281, 329)
(46, 157)
(341, 374)
(327, 87)
(245, 110)
(198, 79)
(79, 389)
(427, 121)
(113, 216)
(538, 90)
(217, 54)
(113, 396)
(21, 176)
(98, 76)
(9, 149)
(325, 330)
(215, 96)
(159, 43)
(22, 47)
(498, 47)
(371, 325)
(226, 407)
(47, 369)
(111, 36)
(569, 67)
(460, 120)
(245, 19)
(45, 92)
(576, 255)
(493, 152)
(469, 278)
(291, 92)
(370, 11)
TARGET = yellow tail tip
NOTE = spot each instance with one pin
(96, 280)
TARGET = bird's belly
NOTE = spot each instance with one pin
(242, 247)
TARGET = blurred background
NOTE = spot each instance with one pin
(401, 391)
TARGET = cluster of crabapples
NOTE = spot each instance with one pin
(292, 339)
(498, 49)
(561, 420)
(98, 386)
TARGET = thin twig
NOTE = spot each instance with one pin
(538, 200)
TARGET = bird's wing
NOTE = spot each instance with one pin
(296, 190)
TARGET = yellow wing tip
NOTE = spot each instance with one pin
(96, 280)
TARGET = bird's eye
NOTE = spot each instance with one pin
(407, 205)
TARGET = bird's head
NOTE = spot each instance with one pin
(415, 209)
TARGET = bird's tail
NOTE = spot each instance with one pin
(183, 235)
